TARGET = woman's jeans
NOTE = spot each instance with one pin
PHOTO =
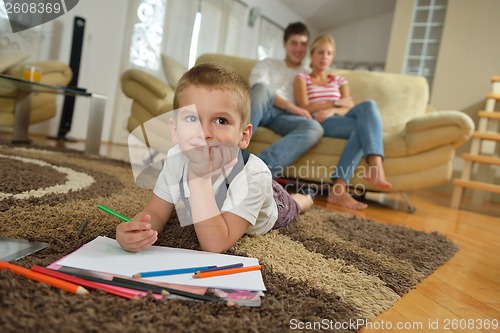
(362, 128)
(299, 134)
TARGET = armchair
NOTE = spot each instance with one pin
(43, 105)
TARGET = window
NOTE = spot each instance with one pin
(423, 44)
(221, 27)
(147, 34)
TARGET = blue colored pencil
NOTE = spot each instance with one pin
(173, 271)
(218, 268)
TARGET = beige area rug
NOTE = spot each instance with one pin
(326, 269)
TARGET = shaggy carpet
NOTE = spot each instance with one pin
(327, 267)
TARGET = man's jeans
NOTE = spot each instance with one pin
(299, 134)
(362, 128)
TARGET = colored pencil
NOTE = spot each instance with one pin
(35, 276)
(135, 285)
(172, 271)
(201, 275)
(218, 268)
(110, 283)
(86, 283)
(82, 227)
(128, 283)
(113, 213)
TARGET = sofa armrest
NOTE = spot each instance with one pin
(436, 129)
(146, 80)
(147, 90)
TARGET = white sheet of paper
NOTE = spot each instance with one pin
(105, 255)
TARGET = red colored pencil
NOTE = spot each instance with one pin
(86, 283)
(36, 276)
(227, 271)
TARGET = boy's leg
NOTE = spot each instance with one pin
(299, 134)
(305, 202)
(288, 208)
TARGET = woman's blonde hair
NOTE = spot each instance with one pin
(320, 40)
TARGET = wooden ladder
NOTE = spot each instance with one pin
(477, 152)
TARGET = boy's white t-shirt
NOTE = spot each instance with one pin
(277, 75)
(250, 193)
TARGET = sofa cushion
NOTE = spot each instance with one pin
(172, 69)
(399, 97)
(242, 66)
(9, 59)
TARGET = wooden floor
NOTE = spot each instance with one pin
(461, 296)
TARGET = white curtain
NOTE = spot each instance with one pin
(178, 28)
(270, 41)
(235, 22)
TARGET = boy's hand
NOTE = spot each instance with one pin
(136, 236)
(211, 159)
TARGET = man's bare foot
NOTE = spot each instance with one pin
(340, 196)
(305, 202)
(376, 174)
(345, 200)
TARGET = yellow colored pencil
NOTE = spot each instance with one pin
(54, 282)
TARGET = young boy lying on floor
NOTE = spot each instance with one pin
(226, 191)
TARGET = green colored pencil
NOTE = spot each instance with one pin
(113, 213)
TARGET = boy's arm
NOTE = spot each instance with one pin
(216, 232)
(142, 231)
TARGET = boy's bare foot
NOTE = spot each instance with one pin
(305, 201)
(376, 174)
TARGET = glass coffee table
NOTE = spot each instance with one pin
(22, 90)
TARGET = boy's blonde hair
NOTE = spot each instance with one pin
(320, 40)
(213, 76)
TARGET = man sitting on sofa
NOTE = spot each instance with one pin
(273, 103)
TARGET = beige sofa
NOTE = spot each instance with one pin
(43, 105)
(419, 142)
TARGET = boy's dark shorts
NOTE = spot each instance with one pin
(288, 209)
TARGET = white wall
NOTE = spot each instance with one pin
(468, 56)
(103, 50)
(363, 41)
(275, 11)
(99, 70)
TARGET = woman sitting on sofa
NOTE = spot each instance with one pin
(328, 99)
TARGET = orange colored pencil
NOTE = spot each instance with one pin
(54, 282)
(130, 294)
(201, 275)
